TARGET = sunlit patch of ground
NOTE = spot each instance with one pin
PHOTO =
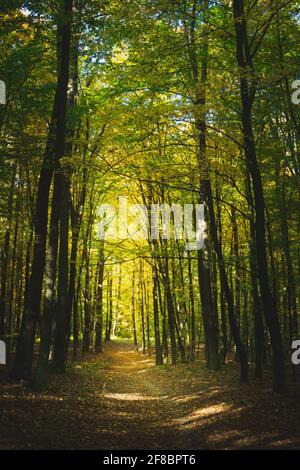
(119, 400)
(129, 397)
(208, 411)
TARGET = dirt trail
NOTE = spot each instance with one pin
(119, 400)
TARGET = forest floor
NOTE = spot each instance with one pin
(119, 400)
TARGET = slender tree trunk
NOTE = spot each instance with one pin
(171, 311)
(61, 331)
(10, 316)
(40, 378)
(237, 267)
(118, 299)
(209, 313)
(192, 310)
(76, 211)
(221, 291)
(142, 309)
(240, 348)
(135, 342)
(19, 281)
(257, 314)
(99, 315)
(158, 348)
(291, 285)
(147, 318)
(75, 328)
(72, 278)
(87, 305)
(109, 308)
(5, 254)
(162, 306)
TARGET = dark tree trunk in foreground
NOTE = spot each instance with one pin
(247, 90)
(54, 150)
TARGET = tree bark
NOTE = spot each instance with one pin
(61, 330)
(247, 90)
(158, 348)
(99, 300)
(5, 254)
(135, 342)
(40, 377)
(209, 313)
(54, 150)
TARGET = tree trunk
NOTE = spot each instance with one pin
(99, 317)
(170, 310)
(209, 313)
(247, 89)
(40, 377)
(135, 342)
(257, 314)
(192, 310)
(237, 267)
(240, 348)
(109, 308)
(162, 306)
(142, 310)
(158, 349)
(5, 254)
(61, 331)
(87, 304)
(54, 150)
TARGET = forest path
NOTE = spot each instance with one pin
(120, 400)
